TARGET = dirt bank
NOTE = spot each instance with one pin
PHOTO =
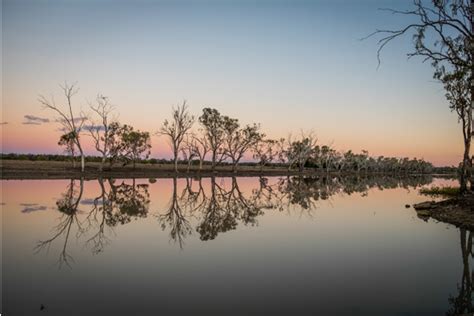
(457, 211)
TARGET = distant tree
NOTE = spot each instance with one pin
(72, 124)
(115, 143)
(266, 151)
(177, 128)
(213, 124)
(101, 132)
(300, 150)
(238, 141)
(67, 140)
(198, 146)
(135, 144)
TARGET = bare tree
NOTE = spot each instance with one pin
(71, 123)
(100, 132)
(196, 147)
(177, 128)
(444, 35)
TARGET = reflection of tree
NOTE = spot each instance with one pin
(175, 216)
(462, 303)
(217, 209)
(221, 208)
(129, 201)
(68, 206)
(116, 204)
(225, 208)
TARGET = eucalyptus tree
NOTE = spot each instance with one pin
(444, 35)
(213, 124)
(135, 144)
(300, 150)
(177, 128)
(266, 151)
(67, 140)
(457, 85)
(102, 132)
(72, 123)
(239, 141)
(196, 147)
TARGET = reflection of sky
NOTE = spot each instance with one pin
(288, 65)
(367, 255)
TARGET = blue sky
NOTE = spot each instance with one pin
(288, 65)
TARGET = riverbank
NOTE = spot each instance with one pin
(458, 211)
(24, 170)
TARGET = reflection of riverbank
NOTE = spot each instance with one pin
(15, 169)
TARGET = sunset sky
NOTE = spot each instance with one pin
(288, 65)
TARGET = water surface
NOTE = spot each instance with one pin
(229, 246)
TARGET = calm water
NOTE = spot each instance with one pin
(245, 246)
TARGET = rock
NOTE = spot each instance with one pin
(407, 205)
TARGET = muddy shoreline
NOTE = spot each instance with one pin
(458, 211)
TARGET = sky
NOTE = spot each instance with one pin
(288, 65)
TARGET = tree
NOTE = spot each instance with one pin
(213, 124)
(135, 144)
(456, 84)
(72, 124)
(67, 140)
(177, 128)
(266, 151)
(196, 146)
(238, 140)
(444, 35)
(101, 133)
(299, 151)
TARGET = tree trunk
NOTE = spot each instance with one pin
(465, 167)
(83, 163)
(176, 160)
(102, 163)
(471, 122)
(213, 167)
(234, 165)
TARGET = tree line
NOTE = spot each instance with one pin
(212, 138)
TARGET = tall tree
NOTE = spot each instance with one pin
(101, 132)
(177, 128)
(444, 35)
(213, 124)
(72, 124)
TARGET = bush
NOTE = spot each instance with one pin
(440, 191)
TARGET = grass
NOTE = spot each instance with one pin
(440, 191)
